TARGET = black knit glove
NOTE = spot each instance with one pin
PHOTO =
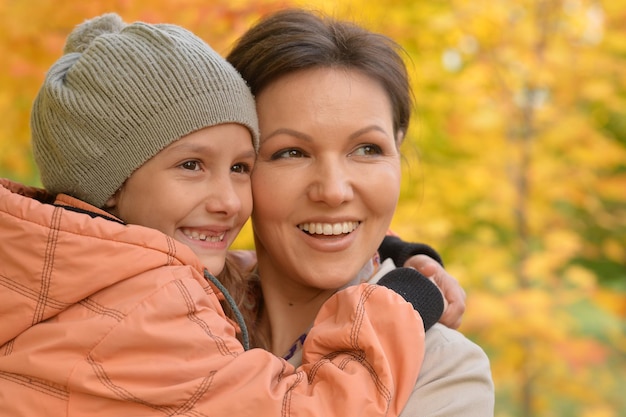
(399, 251)
(418, 290)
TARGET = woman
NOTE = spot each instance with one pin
(333, 102)
(145, 139)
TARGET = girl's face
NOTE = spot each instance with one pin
(327, 177)
(196, 190)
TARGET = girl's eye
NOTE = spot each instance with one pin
(190, 165)
(241, 168)
(368, 150)
(288, 153)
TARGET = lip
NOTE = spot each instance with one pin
(330, 242)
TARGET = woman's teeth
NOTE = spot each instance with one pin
(328, 229)
(192, 234)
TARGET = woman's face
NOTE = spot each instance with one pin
(196, 190)
(327, 177)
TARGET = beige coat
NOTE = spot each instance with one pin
(455, 378)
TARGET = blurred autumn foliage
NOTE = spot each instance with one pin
(515, 166)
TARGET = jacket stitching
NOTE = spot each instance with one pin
(97, 308)
(382, 389)
(286, 406)
(29, 293)
(46, 273)
(202, 389)
(171, 250)
(120, 392)
(8, 347)
(56, 304)
(360, 356)
(125, 395)
(193, 317)
(36, 384)
(360, 314)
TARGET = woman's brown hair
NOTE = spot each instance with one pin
(297, 39)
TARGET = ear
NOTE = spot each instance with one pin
(399, 138)
(111, 202)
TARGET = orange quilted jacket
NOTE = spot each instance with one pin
(98, 318)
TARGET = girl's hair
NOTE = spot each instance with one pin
(246, 294)
(295, 39)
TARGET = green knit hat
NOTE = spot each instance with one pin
(121, 93)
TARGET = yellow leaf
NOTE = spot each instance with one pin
(581, 278)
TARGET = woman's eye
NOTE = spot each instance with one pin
(368, 150)
(190, 165)
(241, 168)
(288, 153)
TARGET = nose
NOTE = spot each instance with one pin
(332, 183)
(222, 197)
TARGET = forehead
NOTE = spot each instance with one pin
(311, 79)
(321, 92)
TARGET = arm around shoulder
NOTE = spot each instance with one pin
(173, 351)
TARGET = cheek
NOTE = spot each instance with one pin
(131, 206)
(141, 211)
(271, 191)
(146, 204)
(383, 191)
(264, 207)
(245, 196)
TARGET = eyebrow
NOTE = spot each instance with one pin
(248, 154)
(290, 132)
(308, 138)
(185, 147)
(194, 148)
(367, 129)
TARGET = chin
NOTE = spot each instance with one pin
(333, 281)
(213, 266)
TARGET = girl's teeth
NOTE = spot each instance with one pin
(201, 236)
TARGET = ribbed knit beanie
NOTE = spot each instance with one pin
(121, 93)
